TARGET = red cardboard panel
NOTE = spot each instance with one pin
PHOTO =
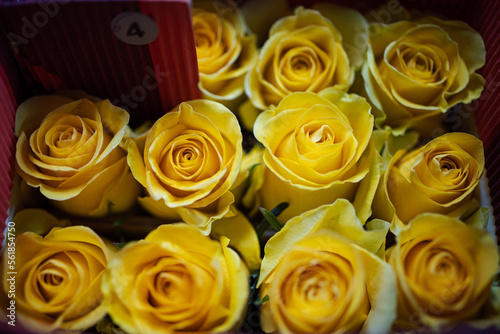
(7, 111)
(62, 44)
(487, 111)
(484, 17)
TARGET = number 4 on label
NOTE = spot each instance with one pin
(135, 30)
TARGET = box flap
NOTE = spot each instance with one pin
(139, 54)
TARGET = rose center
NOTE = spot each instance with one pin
(450, 169)
(443, 264)
(448, 165)
(447, 274)
(445, 171)
(165, 284)
(178, 287)
(67, 137)
(326, 132)
(316, 288)
(299, 68)
(186, 156)
(321, 283)
(207, 35)
(171, 286)
(420, 63)
(322, 135)
(69, 134)
(443, 278)
(301, 64)
(203, 40)
(53, 276)
(52, 279)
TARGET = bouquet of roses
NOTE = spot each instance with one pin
(315, 188)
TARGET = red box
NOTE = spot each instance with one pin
(47, 46)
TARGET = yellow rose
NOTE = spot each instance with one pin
(304, 53)
(176, 280)
(439, 177)
(70, 150)
(318, 148)
(188, 161)
(225, 50)
(415, 71)
(58, 280)
(321, 275)
(444, 270)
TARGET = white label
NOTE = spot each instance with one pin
(135, 28)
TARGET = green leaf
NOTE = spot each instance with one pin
(263, 225)
(120, 245)
(261, 301)
(278, 209)
(253, 167)
(271, 219)
(252, 282)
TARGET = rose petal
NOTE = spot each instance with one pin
(339, 217)
(351, 25)
(470, 43)
(31, 112)
(242, 238)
